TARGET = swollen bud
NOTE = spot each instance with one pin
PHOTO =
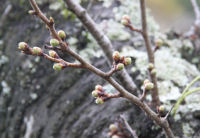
(162, 108)
(125, 20)
(150, 66)
(31, 12)
(99, 101)
(53, 54)
(98, 87)
(58, 66)
(127, 61)
(51, 20)
(116, 56)
(113, 128)
(22, 45)
(95, 93)
(37, 51)
(149, 86)
(54, 42)
(153, 72)
(62, 34)
(159, 42)
(120, 66)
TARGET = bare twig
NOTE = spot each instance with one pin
(133, 133)
(123, 92)
(102, 40)
(155, 96)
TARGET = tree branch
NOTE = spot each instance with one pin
(133, 133)
(102, 40)
(123, 92)
(155, 96)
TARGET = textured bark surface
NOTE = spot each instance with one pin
(64, 107)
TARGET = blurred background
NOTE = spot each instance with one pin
(176, 14)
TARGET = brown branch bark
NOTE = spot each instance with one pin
(133, 133)
(102, 40)
(155, 96)
(123, 92)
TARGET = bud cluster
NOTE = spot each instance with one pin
(121, 61)
(99, 94)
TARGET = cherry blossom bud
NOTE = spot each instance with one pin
(58, 66)
(115, 136)
(161, 108)
(37, 51)
(116, 56)
(54, 42)
(99, 100)
(153, 72)
(120, 66)
(150, 66)
(51, 20)
(31, 12)
(159, 42)
(62, 34)
(99, 87)
(53, 54)
(22, 45)
(125, 20)
(149, 86)
(95, 93)
(127, 61)
(113, 128)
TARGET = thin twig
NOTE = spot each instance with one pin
(133, 133)
(102, 40)
(155, 96)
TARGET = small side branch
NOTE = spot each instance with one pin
(133, 133)
(150, 53)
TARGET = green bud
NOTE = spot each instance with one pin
(52, 53)
(149, 86)
(127, 61)
(113, 128)
(99, 101)
(98, 87)
(37, 51)
(54, 42)
(116, 56)
(161, 108)
(22, 45)
(159, 42)
(31, 12)
(62, 34)
(58, 66)
(124, 22)
(153, 72)
(150, 66)
(120, 66)
(95, 93)
(51, 20)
